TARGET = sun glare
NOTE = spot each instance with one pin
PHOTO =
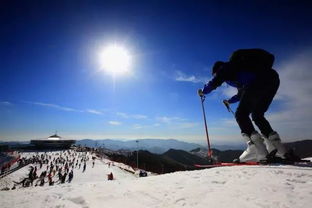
(115, 59)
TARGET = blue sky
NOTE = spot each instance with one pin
(50, 78)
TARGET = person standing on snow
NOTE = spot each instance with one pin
(84, 167)
(70, 176)
(110, 176)
(250, 70)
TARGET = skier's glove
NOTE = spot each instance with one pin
(200, 92)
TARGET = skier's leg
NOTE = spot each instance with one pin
(242, 114)
(251, 98)
(242, 117)
(261, 122)
(265, 96)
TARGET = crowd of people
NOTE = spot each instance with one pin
(57, 167)
(53, 168)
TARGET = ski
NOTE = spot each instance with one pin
(221, 164)
(303, 163)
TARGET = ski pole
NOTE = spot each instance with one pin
(227, 105)
(209, 149)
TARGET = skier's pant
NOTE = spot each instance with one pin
(256, 100)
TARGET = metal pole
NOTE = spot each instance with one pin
(137, 153)
(209, 149)
(228, 107)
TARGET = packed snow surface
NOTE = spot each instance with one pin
(223, 187)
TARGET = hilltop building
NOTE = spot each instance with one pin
(53, 142)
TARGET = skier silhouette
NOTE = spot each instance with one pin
(251, 72)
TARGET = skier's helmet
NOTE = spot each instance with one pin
(217, 65)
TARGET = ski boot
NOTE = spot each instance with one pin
(250, 154)
(274, 141)
(288, 156)
(261, 150)
(269, 146)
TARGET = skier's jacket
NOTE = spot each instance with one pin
(243, 68)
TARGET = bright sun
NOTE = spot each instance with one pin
(115, 59)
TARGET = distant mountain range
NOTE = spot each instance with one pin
(157, 146)
(302, 148)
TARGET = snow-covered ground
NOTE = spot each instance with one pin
(240, 186)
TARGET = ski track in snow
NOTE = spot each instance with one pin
(243, 186)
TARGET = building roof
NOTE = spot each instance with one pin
(54, 137)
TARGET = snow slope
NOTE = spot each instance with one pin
(243, 186)
(252, 186)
